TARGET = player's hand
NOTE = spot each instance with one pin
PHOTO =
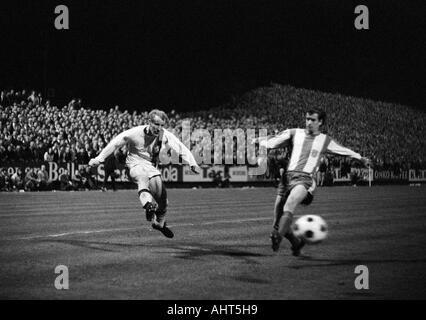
(195, 169)
(262, 161)
(366, 162)
(94, 162)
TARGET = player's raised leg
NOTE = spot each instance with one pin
(146, 198)
(158, 191)
(296, 196)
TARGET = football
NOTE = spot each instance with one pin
(312, 228)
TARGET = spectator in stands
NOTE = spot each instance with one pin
(3, 153)
(43, 179)
(355, 177)
(17, 180)
(31, 180)
(110, 165)
(82, 157)
(78, 180)
(89, 178)
(346, 167)
(48, 155)
(3, 101)
(30, 125)
(4, 180)
(65, 181)
(56, 153)
(322, 171)
(67, 155)
(216, 177)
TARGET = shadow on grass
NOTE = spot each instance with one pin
(191, 251)
(347, 262)
(179, 250)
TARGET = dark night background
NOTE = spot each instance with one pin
(197, 54)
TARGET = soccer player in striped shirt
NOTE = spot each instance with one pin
(144, 144)
(297, 187)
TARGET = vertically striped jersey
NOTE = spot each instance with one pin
(307, 149)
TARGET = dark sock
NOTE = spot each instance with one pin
(292, 238)
(285, 222)
(278, 212)
(285, 227)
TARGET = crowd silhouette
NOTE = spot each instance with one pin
(33, 130)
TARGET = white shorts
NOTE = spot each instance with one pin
(142, 172)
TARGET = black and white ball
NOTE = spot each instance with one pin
(311, 228)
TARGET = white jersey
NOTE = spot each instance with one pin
(144, 147)
(308, 149)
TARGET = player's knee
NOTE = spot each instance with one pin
(288, 214)
(290, 204)
(308, 199)
(145, 196)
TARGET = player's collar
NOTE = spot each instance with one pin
(146, 131)
(312, 134)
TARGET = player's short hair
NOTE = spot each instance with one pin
(156, 112)
(322, 116)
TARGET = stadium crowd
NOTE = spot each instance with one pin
(33, 130)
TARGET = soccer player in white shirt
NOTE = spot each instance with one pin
(144, 144)
(309, 145)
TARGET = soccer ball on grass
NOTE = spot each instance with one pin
(311, 228)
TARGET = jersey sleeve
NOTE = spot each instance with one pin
(175, 144)
(334, 147)
(278, 140)
(117, 142)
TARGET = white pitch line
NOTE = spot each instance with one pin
(57, 235)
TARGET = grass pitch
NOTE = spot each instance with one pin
(221, 248)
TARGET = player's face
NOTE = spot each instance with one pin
(156, 125)
(312, 123)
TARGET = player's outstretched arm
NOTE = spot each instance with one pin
(114, 144)
(278, 140)
(181, 149)
(334, 147)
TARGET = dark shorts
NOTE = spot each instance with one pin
(292, 179)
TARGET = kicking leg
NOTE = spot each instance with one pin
(160, 195)
(296, 196)
(278, 213)
(148, 203)
(145, 196)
